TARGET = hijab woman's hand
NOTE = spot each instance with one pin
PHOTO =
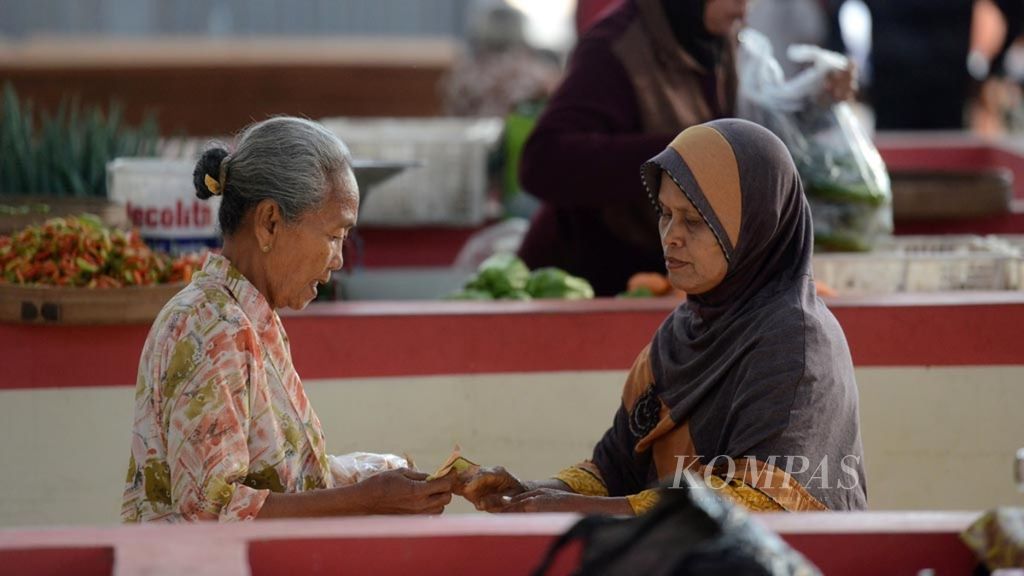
(546, 500)
(554, 500)
(487, 488)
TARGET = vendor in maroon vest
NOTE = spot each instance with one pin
(638, 77)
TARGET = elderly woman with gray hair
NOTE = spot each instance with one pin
(223, 429)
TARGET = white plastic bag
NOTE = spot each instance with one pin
(348, 469)
(844, 177)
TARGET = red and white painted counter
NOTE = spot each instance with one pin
(854, 544)
(411, 338)
(527, 385)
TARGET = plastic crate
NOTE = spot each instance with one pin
(924, 264)
(449, 188)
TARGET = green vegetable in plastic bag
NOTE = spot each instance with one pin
(835, 177)
(847, 226)
(845, 179)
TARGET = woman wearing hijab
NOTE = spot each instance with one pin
(750, 381)
(639, 76)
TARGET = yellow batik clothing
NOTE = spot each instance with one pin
(759, 486)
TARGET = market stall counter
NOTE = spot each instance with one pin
(846, 544)
(529, 385)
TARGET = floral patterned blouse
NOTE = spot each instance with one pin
(221, 418)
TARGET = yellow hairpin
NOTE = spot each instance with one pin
(212, 184)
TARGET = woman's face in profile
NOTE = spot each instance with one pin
(310, 249)
(693, 258)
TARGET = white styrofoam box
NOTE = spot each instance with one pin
(923, 264)
(161, 202)
(449, 187)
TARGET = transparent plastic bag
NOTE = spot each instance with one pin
(848, 226)
(505, 236)
(348, 469)
(844, 176)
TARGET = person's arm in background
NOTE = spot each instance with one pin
(587, 147)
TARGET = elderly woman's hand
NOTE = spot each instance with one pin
(487, 487)
(405, 491)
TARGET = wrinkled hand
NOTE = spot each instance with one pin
(841, 85)
(405, 491)
(488, 487)
(546, 500)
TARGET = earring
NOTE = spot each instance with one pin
(266, 248)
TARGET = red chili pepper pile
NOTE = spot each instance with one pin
(80, 251)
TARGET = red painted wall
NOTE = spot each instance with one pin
(353, 340)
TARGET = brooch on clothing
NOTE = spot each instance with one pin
(646, 413)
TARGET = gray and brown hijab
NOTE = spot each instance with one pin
(758, 366)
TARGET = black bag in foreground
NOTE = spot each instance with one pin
(690, 532)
